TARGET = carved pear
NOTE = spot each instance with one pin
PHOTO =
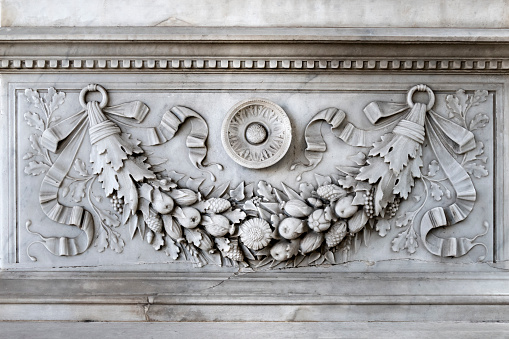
(163, 203)
(188, 217)
(344, 208)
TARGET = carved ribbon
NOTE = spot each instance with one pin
(353, 136)
(445, 137)
(67, 136)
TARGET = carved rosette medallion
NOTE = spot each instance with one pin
(256, 133)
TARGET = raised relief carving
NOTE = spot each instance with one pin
(258, 225)
(256, 133)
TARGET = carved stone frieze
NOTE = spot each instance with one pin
(261, 224)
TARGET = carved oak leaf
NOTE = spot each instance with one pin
(116, 242)
(405, 219)
(436, 191)
(479, 121)
(35, 142)
(158, 241)
(405, 240)
(79, 191)
(101, 242)
(171, 250)
(433, 168)
(456, 104)
(34, 98)
(80, 167)
(479, 97)
(477, 170)
(411, 241)
(53, 99)
(382, 226)
(476, 153)
(35, 168)
(265, 190)
(34, 120)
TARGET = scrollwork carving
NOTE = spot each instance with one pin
(257, 225)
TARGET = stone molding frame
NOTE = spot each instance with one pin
(348, 61)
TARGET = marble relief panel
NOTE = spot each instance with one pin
(113, 173)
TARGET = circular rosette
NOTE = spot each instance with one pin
(256, 133)
(255, 233)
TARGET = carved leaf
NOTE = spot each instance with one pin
(398, 243)
(171, 250)
(476, 154)
(306, 190)
(34, 98)
(80, 167)
(238, 193)
(133, 225)
(34, 120)
(116, 242)
(479, 121)
(411, 241)
(35, 168)
(158, 241)
(453, 104)
(477, 170)
(433, 168)
(79, 191)
(193, 236)
(54, 99)
(265, 190)
(35, 142)
(479, 97)
(347, 181)
(101, 242)
(405, 179)
(374, 171)
(235, 216)
(405, 219)
(436, 191)
(382, 226)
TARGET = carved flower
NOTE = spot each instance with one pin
(320, 220)
(255, 233)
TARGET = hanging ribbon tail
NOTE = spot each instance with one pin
(455, 213)
(195, 141)
(52, 137)
(315, 145)
(134, 109)
(456, 137)
(73, 216)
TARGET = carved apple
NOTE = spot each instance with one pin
(188, 217)
(344, 208)
(292, 228)
(163, 203)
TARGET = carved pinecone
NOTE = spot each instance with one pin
(154, 222)
(336, 233)
(330, 192)
(234, 253)
(218, 205)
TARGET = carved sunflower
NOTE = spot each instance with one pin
(255, 233)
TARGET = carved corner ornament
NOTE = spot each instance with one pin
(256, 224)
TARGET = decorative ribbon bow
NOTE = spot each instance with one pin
(444, 136)
(111, 155)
